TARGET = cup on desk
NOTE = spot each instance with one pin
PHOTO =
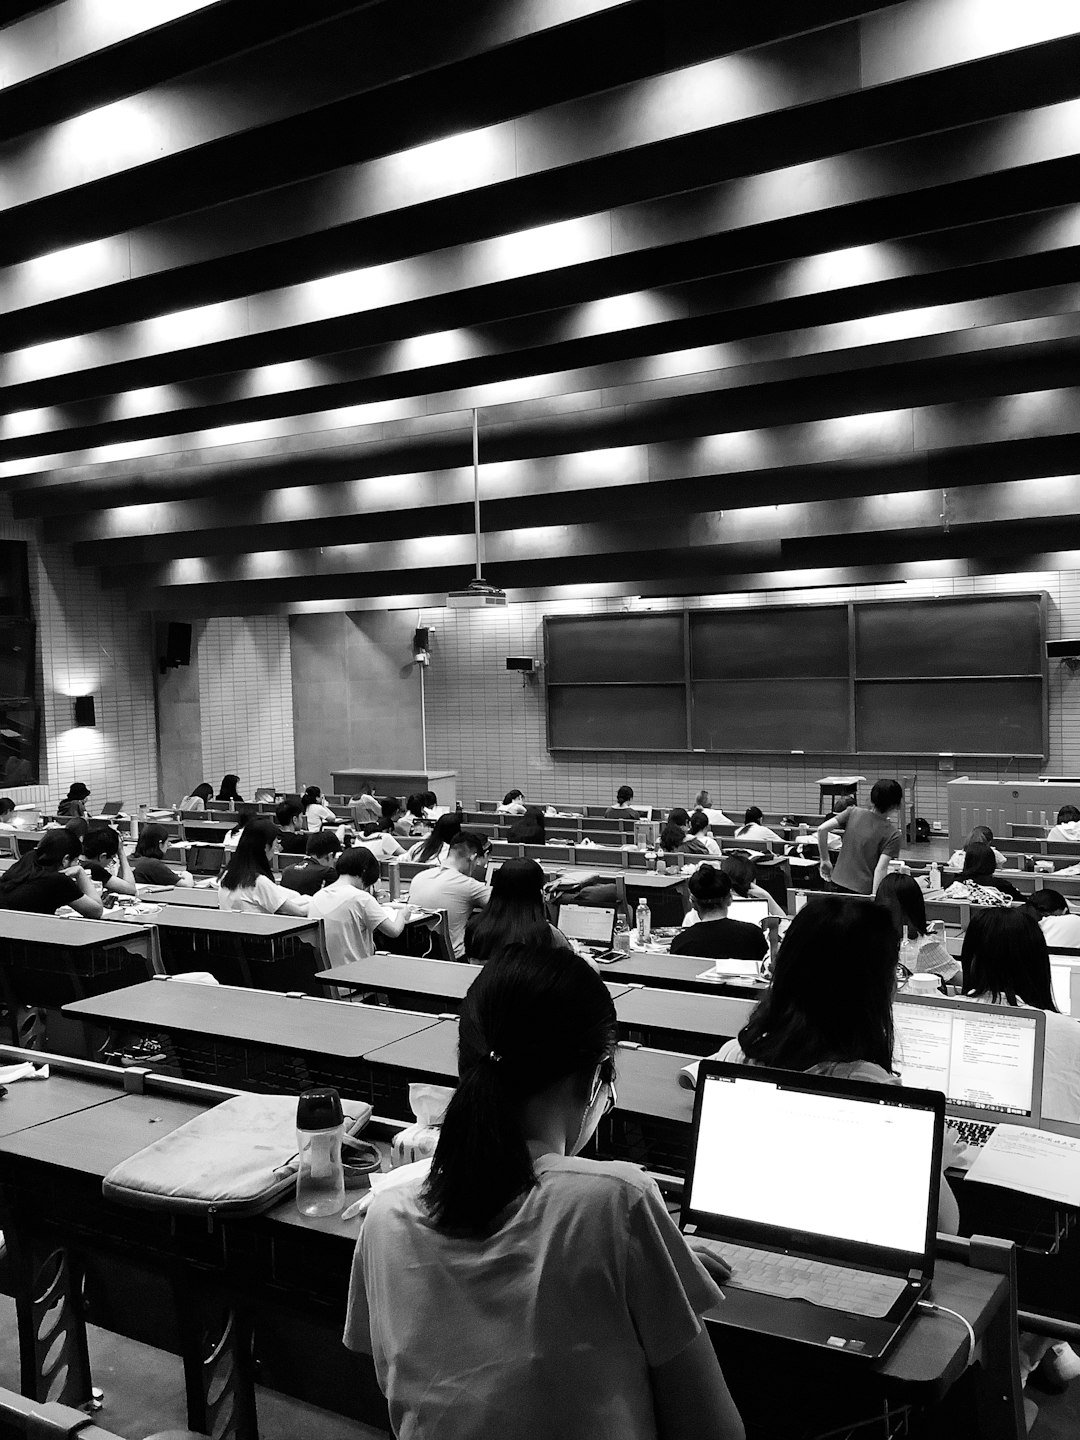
(927, 984)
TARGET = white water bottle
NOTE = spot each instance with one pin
(621, 939)
(320, 1129)
(935, 876)
(644, 922)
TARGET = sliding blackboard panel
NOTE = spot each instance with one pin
(984, 635)
(777, 640)
(771, 715)
(616, 717)
(588, 649)
(980, 717)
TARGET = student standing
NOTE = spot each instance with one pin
(871, 840)
(248, 883)
(521, 1292)
(454, 886)
(350, 912)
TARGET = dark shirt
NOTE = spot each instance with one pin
(293, 842)
(40, 894)
(308, 877)
(621, 812)
(71, 809)
(148, 871)
(721, 940)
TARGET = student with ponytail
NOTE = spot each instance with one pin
(521, 1291)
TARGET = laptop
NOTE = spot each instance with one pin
(592, 926)
(264, 796)
(1065, 979)
(112, 807)
(750, 912)
(817, 1190)
(987, 1060)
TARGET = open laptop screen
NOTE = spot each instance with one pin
(750, 912)
(981, 1059)
(763, 1149)
(591, 924)
(1061, 980)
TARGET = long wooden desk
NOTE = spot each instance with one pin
(195, 898)
(279, 1278)
(275, 952)
(418, 984)
(679, 972)
(257, 1039)
(697, 1023)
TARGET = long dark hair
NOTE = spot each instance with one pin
(54, 850)
(516, 907)
(1005, 958)
(979, 861)
(311, 796)
(530, 828)
(525, 1025)
(205, 791)
(832, 990)
(228, 789)
(710, 887)
(443, 832)
(740, 871)
(674, 832)
(904, 901)
(151, 839)
(249, 858)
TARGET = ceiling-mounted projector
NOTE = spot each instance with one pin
(479, 596)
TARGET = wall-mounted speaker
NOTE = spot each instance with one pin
(85, 713)
(525, 663)
(1062, 649)
(178, 644)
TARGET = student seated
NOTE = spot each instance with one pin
(1068, 824)
(196, 801)
(702, 835)
(752, 828)
(513, 803)
(292, 831)
(454, 885)
(980, 832)
(1057, 922)
(740, 871)
(244, 816)
(432, 808)
(979, 870)
(314, 810)
(715, 935)
(1006, 962)
(871, 840)
(530, 827)
(622, 809)
(49, 878)
(434, 849)
(921, 951)
(380, 838)
(7, 814)
(703, 801)
(148, 864)
(519, 1291)
(73, 806)
(364, 807)
(317, 867)
(410, 821)
(829, 1010)
(514, 911)
(350, 912)
(229, 791)
(248, 883)
(675, 834)
(104, 858)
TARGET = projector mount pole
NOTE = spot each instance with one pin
(476, 485)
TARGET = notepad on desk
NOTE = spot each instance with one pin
(1035, 1162)
(733, 970)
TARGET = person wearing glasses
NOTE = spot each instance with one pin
(455, 885)
(516, 1289)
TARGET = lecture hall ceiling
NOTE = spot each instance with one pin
(742, 295)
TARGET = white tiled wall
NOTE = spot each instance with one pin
(90, 643)
(485, 724)
(245, 684)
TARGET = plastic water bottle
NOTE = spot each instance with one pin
(935, 876)
(320, 1128)
(644, 922)
(621, 939)
(650, 856)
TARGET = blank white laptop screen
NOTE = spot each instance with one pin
(763, 1150)
(982, 1060)
(592, 924)
(750, 912)
(1061, 980)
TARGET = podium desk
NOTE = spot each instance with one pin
(398, 782)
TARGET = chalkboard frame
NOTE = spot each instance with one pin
(684, 744)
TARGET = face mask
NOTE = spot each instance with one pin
(601, 1101)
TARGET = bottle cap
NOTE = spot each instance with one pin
(319, 1109)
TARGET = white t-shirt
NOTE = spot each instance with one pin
(382, 845)
(546, 1329)
(716, 817)
(350, 918)
(1062, 931)
(316, 816)
(755, 832)
(192, 803)
(1065, 830)
(262, 898)
(448, 889)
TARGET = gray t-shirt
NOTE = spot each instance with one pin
(867, 836)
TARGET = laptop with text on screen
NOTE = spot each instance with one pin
(590, 925)
(822, 1195)
(987, 1060)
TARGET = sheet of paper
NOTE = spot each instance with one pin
(1034, 1162)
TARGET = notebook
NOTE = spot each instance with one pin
(987, 1060)
(838, 1208)
(590, 925)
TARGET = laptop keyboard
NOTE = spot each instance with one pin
(973, 1132)
(793, 1278)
